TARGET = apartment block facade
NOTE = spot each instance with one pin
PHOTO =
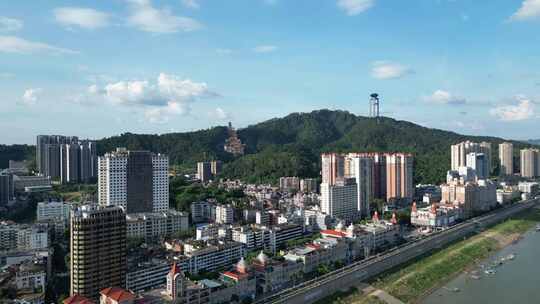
(135, 180)
(530, 163)
(459, 153)
(506, 158)
(66, 158)
(98, 250)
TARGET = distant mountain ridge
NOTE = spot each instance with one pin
(534, 142)
(291, 145)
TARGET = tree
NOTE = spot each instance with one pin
(377, 205)
(322, 269)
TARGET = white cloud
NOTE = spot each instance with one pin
(445, 97)
(86, 18)
(529, 9)
(355, 7)
(163, 114)
(265, 48)
(31, 96)
(523, 110)
(150, 19)
(220, 114)
(12, 44)
(389, 70)
(166, 96)
(191, 4)
(10, 24)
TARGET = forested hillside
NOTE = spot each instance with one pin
(15, 152)
(308, 134)
(291, 145)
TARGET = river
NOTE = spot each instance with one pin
(515, 281)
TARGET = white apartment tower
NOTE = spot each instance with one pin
(530, 163)
(138, 181)
(361, 169)
(224, 214)
(340, 199)
(478, 162)
(506, 157)
(459, 153)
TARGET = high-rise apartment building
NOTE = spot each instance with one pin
(6, 189)
(66, 158)
(340, 199)
(361, 169)
(379, 175)
(52, 165)
(530, 163)
(88, 161)
(224, 214)
(70, 163)
(479, 163)
(333, 167)
(204, 171)
(506, 158)
(138, 181)
(98, 250)
(459, 153)
(216, 166)
(391, 173)
(399, 177)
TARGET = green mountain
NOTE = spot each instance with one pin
(291, 146)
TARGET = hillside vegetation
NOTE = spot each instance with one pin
(292, 145)
(15, 152)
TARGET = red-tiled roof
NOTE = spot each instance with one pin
(77, 299)
(333, 233)
(235, 275)
(314, 246)
(117, 294)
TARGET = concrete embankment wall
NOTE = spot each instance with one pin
(353, 274)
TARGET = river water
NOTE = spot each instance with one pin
(515, 282)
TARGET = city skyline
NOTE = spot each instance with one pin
(147, 66)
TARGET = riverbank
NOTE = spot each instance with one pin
(413, 281)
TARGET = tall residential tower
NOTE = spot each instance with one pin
(66, 158)
(506, 157)
(135, 180)
(459, 153)
(98, 250)
(530, 163)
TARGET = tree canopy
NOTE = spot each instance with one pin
(291, 146)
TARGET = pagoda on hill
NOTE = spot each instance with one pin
(233, 144)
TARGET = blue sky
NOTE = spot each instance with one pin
(151, 66)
